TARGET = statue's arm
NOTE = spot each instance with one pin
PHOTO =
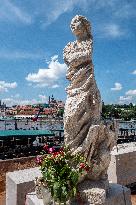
(66, 53)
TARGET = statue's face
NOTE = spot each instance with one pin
(77, 27)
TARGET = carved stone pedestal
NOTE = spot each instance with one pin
(118, 195)
(93, 192)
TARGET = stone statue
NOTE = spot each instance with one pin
(84, 130)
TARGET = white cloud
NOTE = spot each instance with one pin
(112, 30)
(48, 76)
(117, 87)
(125, 99)
(55, 86)
(4, 87)
(130, 97)
(134, 72)
(13, 100)
(17, 54)
(17, 95)
(131, 92)
(60, 6)
(118, 9)
(54, 58)
(10, 12)
(43, 98)
(126, 10)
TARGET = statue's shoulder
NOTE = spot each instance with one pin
(73, 46)
(88, 42)
(68, 51)
(69, 47)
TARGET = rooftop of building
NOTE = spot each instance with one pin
(7, 133)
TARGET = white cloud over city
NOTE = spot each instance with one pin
(131, 92)
(117, 87)
(17, 100)
(130, 96)
(19, 55)
(13, 12)
(112, 30)
(125, 99)
(60, 7)
(134, 72)
(127, 10)
(4, 86)
(48, 77)
(31, 32)
(119, 10)
(43, 98)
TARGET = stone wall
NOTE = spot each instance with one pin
(19, 183)
(122, 168)
(12, 165)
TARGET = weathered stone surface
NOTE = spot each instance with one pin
(83, 130)
(122, 168)
(118, 195)
(92, 192)
(19, 183)
(11, 165)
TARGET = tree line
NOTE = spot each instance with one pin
(117, 111)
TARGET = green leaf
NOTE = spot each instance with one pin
(74, 191)
(74, 177)
(64, 191)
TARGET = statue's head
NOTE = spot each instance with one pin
(80, 26)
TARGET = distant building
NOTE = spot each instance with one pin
(2, 108)
(50, 109)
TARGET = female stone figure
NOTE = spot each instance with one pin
(83, 130)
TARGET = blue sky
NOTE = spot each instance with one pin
(32, 37)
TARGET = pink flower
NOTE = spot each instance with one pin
(39, 160)
(51, 150)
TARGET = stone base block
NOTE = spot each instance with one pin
(118, 195)
(93, 192)
(122, 168)
(18, 184)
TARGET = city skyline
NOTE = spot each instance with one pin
(34, 33)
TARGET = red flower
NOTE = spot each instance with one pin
(61, 149)
(62, 153)
(39, 160)
(45, 147)
(87, 168)
(82, 165)
(55, 154)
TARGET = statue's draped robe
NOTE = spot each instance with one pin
(83, 130)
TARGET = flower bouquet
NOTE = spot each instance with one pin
(61, 172)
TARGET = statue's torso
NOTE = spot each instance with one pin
(76, 53)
